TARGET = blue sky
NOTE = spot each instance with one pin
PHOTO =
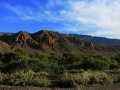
(92, 17)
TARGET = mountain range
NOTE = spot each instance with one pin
(44, 40)
(98, 40)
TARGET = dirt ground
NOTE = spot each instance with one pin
(105, 87)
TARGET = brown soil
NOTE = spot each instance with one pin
(96, 87)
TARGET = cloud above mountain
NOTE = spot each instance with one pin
(95, 17)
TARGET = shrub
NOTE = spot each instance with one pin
(54, 68)
(69, 58)
(29, 78)
(8, 57)
(20, 53)
(2, 77)
(16, 66)
(100, 78)
(88, 77)
(98, 63)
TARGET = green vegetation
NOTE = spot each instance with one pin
(68, 69)
(24, 79)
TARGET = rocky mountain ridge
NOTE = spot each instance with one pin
(46, 41)
(102, 41)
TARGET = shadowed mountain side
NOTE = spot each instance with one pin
(97, 40)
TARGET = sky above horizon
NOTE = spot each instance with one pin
(88, 17)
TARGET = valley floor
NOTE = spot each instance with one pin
(96, 87)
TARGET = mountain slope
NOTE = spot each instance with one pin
(4, 46)
(19, 40)
(56, 41)
(52, 41)
(98, 40)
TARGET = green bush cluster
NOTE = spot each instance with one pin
(19, 60)
(99, 63)
(54, 63)
(22, 78)
(33, 69)
(87, 78)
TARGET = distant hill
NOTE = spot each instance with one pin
(2, 33)
(98, 40)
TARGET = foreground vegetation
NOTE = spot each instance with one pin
(18, 68)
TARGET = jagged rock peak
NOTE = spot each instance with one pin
(47, 33)
(22, 37)
(24, 34)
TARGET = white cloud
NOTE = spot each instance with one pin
(104, 14)
(98, 17)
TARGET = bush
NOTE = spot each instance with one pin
(8, 57)
(69, 58)
(88, 78)
(54, 68)
(16, 66)
(20, 54)
(99, 63)
(2, 77)
(100, 78)
(29, 78)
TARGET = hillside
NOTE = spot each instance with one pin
(4, 46)
(51, 41)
